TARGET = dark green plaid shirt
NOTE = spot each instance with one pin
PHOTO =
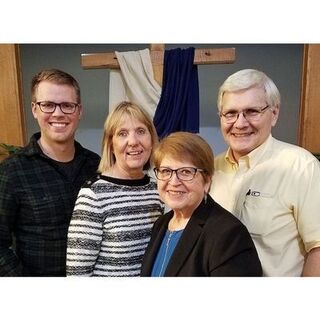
(37, 197)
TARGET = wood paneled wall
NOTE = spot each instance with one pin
(309, 122)
(12, 118)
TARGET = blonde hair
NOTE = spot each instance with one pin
(186, 146)
(250, 78)
(111, 124)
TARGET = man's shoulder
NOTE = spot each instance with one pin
(92, 154)
(291, 151)
(219, 159)
(14, 159)
(220, 155)
(86, 152)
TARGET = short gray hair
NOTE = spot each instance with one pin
(250, 78)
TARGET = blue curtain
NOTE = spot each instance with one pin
(178, 107)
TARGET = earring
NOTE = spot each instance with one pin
(205, 198)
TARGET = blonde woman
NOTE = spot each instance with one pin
(114, 213)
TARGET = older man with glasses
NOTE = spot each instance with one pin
(39, 184)
(271, 186)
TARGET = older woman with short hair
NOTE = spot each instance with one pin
(197, 237)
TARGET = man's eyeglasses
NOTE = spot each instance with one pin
(250, 114)
(50, 107)
(184, 173)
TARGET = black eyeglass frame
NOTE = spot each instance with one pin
(60, 105)
(155, 170)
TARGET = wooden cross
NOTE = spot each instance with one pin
(109, 60)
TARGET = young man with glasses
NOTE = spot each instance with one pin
(271, 186)
(39, 184)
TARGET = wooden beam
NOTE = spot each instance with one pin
(309, 129)
(157, 67)
(109, 60)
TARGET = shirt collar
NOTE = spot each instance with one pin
(33, 147)
(251, 159)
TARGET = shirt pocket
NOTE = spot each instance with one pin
(257, 212)
(47, 208)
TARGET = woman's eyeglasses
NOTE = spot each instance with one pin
(184, 173)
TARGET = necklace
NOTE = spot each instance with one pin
(43, 149)
(170, 245)
(53, 156)
(166, 253)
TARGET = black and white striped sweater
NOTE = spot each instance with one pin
(111, 226)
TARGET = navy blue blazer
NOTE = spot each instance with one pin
(213, 243)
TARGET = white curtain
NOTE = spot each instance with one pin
(134, 81)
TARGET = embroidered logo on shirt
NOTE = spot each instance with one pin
(257, 194)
